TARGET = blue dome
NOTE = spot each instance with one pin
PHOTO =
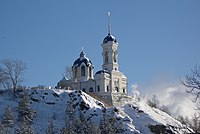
(82, 59)
(109, 37)
(102, 72)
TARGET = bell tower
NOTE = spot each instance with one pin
(110, 51)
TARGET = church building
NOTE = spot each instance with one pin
(104, 83)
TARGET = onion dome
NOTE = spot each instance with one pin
(108, 38)
(82, 59)
(102, 72)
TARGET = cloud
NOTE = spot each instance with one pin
(173, 95)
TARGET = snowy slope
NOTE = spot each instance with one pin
(137, 117)
(144, 116)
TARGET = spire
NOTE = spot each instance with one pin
(109, 32)
(82, 54)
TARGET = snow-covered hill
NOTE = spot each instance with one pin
(135, 116)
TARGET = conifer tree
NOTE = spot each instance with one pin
(69, 120)
(88, 127)
(82, 123)
(25, 116)
(78, 124)
(106, 126)
(25, 113)
(1, 128)
(54, 116)
(24, 128)
(110, 125)
(8, 119)
(51, 128)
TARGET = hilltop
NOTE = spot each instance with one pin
(51, 105)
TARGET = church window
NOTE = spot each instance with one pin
(115, 56)
(91, 89)
(82, 70)
(116, 89)
(98, 88)
(75, 71)
(123, 90)
(107, 88)
(90, 72)
(106, 57)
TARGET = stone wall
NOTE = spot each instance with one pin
(112, 99)
(119, 99)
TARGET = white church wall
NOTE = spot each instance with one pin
(119, 83)
(102, 81)
(99, 78)
(88, 86)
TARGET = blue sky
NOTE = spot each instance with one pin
(157, 39)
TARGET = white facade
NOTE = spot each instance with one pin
(105, 82)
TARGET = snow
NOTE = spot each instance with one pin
(136, 115)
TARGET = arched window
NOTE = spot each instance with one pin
(124, 90)
(91, 89)
(90, 72)
(107, 88)
(82, 70)
(75, 71)
(115, 56)
(98, 88)
(116, 89)
(106, 57)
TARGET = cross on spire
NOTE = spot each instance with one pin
(109, 31)
(82, 54)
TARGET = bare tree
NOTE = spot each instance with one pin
(192, 83)
(68, 72)
(154, 101)
(4, 80)
(165, 109)
(193, 123)
(11, 72)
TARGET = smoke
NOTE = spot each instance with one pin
(171, 94)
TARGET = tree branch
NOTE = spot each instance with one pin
(192, 83)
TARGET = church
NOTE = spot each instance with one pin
(105, 83)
